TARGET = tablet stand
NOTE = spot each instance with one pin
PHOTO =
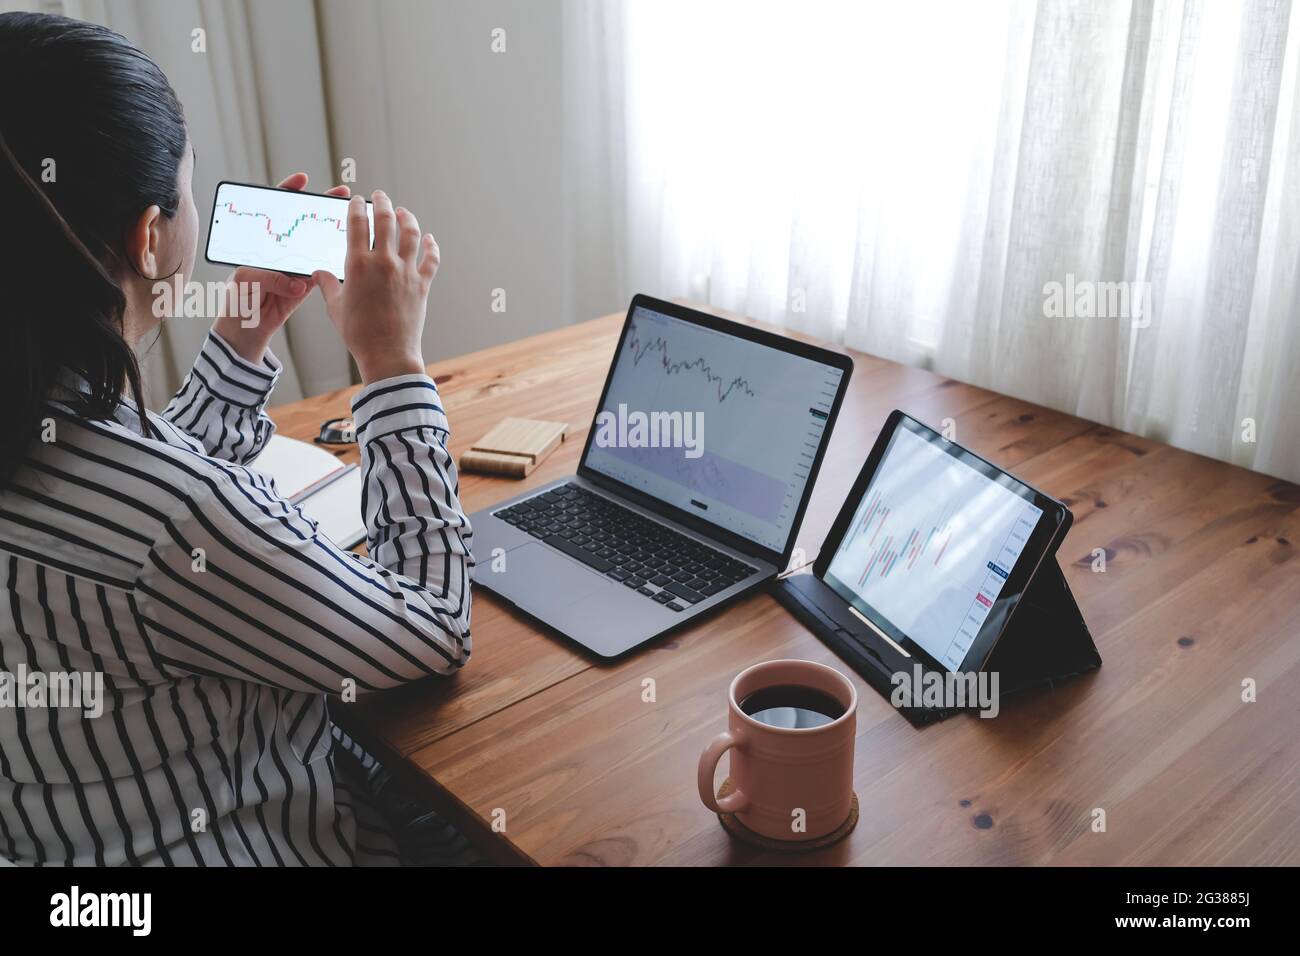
(1045, 642)
(1047, 639)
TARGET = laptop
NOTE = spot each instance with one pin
(695, 475)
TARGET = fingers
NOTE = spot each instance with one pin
(395, 230)
(273, 283)
(329, 285)
(298, 181)
(408, 235)
(385, 222)
(430, 257)
(294, 181)
(358, 226)
(277, 283)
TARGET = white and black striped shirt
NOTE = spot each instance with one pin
(220, 620)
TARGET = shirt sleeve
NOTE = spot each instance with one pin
(243, 584)
(222, 402)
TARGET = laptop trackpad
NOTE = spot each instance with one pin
(544, 582)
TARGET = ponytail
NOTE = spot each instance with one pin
(62, 310)
(100, 117)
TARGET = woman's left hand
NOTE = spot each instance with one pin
(275, 298)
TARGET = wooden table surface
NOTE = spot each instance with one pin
(551, 756)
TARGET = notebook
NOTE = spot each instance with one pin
(326, 490)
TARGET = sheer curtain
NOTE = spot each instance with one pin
(909, 178)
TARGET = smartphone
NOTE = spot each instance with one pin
(282, 230)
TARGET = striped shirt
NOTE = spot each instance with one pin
(220, 621)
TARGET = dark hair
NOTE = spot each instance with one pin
(91, 135)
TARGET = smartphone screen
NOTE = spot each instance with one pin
(280, 229)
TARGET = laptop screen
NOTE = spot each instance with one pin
(932, 544)
(719, 426)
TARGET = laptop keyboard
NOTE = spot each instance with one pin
(668, 568)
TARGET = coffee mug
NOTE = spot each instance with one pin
(791, 727)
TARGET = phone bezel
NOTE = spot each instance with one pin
(212, 216)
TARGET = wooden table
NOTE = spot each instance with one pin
(1201, 592)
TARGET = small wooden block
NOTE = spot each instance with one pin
(514, 447)
(732, 825)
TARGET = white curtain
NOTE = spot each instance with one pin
(256, 109)
(908, 178)
(905, 176)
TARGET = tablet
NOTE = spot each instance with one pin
(935, 546)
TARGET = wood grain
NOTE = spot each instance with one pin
(1200, 592)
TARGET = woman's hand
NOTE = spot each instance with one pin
(379, 310)
(278, 295)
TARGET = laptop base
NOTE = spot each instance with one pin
(605, 615)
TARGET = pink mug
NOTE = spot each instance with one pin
(787, 783)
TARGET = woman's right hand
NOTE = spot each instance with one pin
(379, 310)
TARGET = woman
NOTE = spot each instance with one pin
(140, 547)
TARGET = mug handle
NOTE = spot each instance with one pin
(734, 802)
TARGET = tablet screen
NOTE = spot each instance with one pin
(933, 542)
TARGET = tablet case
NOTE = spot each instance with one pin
(1045, 641)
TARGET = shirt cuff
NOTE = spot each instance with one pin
(233, 378)
(396, 404)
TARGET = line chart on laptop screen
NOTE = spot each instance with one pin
(760, 412)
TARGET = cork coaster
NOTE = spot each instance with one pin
(732, 825)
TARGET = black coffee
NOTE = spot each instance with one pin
(792, 707)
